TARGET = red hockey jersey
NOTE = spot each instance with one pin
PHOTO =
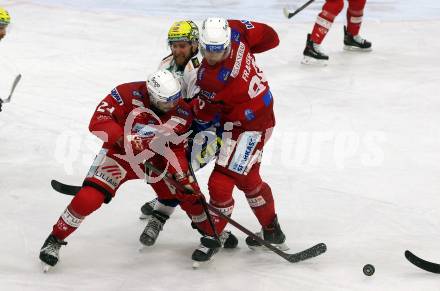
(236, 88)
(113, 113)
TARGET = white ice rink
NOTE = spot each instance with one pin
(354, 161)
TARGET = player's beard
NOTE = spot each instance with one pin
(181, 60)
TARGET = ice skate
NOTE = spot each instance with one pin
(153, 228)
(272, 234)
(203, 253)
(313, 54)
(355, 43)
(147, 209)
(49, 253)
(226, 240)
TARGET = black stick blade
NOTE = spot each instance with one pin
(422, 264)
(309, 253)
(64, 188)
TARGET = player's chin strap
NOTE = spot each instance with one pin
(168, 178)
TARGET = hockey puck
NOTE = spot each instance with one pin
(368, 269)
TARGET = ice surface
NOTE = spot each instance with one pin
(354, 160)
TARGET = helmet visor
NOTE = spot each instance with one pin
(169, 103)
(214, 53)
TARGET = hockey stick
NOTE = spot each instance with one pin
(422, 264)
(208, 215)
(183, 189)
(14, 84)
(292, 258)
(204, 240)
(64, 188)
(289, 14)
(213, 147)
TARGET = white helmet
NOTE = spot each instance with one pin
(215, 39)
(164, 90)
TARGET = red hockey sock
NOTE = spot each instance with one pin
(355, 12)
(200, 219)
(86, 201)
(226, 209)
(262, 204)
(220, 191)
(325, 19)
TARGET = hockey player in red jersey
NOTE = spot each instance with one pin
(233, 86)
(137, 121)
(352, 39)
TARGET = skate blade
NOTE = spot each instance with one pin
(144, 217)
(45, 267)
(356, 49)
(314, 62)
(143, 248)
(282, 247)
(197, 264)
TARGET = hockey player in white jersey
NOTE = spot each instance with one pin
(185, 58)
(183, 62)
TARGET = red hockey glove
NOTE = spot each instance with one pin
(192, 192)
(205, 110)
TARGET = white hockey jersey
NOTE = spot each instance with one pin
(187, 77)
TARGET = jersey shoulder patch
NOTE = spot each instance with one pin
(115, 94)
(247, 23)
(127, 91)
(195, 62)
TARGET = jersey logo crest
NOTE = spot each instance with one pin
(249, 114)
(235, 36)
(223, 74)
